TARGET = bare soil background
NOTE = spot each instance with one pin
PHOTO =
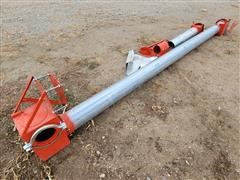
(183, 124)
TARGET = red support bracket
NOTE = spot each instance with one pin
(40, 124)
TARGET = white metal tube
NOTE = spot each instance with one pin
(184, 36)
(88, 109)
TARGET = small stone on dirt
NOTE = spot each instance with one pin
(187, 163)
(102, 175)
(148, 178)
(175, 101)
(155, 108)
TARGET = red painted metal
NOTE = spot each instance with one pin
(198, 26)
(40, 112)
(67, 120)
(156, 49)
(223, 24)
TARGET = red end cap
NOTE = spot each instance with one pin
(161, 48)
(223, 24)
(156, 49)
(146, 51)
(198, 26)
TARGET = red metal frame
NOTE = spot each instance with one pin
(60, 92)
(39, 113)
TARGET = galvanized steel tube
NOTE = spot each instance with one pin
(88, 109)
(184, 36)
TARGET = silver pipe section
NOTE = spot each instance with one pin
(88, 109)
(184, 36)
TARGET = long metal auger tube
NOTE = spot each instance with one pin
(46, 130)
(102, 100)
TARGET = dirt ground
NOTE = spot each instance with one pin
(183, 124)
